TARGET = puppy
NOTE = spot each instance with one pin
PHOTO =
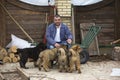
(62, 60)
(45, 58)
(74, 58)
(30, 53)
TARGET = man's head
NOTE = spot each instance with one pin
(57, 20)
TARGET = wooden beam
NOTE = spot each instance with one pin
(23, 74)
(1, 77)
(73, 25)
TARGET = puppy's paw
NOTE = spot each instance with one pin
(47, 70)
(79, 71)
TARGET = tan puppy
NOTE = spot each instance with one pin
(62, 60)
(45, 58)
(74, 58)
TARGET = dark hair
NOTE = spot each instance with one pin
(57, 15)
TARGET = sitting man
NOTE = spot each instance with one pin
(58, 34)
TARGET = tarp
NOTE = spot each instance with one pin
(40, 2)
(84, 2)
(52, 2)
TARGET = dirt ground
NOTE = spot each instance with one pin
(90, 71)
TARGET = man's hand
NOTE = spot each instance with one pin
(69, 41)
(57, 45)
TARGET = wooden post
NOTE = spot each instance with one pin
(73, 27)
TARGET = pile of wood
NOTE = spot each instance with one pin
(10, 55)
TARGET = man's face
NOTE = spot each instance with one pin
(57, 21)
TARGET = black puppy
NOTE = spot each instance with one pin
(30, 53)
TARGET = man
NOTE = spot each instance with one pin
(58, 33)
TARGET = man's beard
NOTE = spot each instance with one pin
(57, 24)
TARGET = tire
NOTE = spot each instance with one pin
(84, 57)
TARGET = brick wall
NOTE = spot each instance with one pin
(64, 10)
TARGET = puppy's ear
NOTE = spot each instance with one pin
(75, 47)
(79, 49)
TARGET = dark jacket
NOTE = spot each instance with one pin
(51, 32)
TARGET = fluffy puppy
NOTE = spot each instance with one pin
(74, 58)
(30, 53)
(62, 60)
(46, 57)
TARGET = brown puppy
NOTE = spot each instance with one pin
(62, 60)
(46, 57)
(74, 58)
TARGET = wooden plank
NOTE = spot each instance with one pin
(2, 26)
(99, 21)
(23, 74)
(1, 77)
(117, 19)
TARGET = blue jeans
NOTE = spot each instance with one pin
(62, 43)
